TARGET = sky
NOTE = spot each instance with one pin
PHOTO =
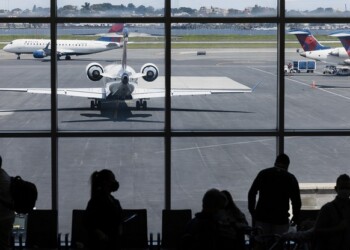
(290, 4)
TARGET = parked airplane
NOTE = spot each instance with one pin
(316, 51)
(344, 38)
(121, 83)
(41, 48)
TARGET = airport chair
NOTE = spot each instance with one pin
(134, 234)
(42, 231)
(173, 227)
(79, 234)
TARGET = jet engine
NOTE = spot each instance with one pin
(151, 72)
(40, 53)
(93, 71)
(347, 61)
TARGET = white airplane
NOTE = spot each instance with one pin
(121, 83)
(316, 51)
(41, 48)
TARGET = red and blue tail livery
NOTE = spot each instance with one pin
(115, 29)
(307, 41)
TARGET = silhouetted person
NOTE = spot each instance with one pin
(276, 187)
(236, 218)
(209, 229)
(332, 227)
(103, 212)
(7, 215)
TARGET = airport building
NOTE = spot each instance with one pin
(242, 111)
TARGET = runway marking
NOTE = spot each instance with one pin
(3, 113)
(223, 51)
(217, 145)
(305, 84)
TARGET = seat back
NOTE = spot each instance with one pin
(134, 229)
(173, 226)
(79, 235)
(42, 229)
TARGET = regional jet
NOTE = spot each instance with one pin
(316, 51)
(41, 48)
(120, 83)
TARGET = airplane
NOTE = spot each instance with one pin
(40, 48)
(344, 38)
(121, 84)
(316, 51)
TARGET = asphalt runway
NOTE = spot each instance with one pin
(313, 101)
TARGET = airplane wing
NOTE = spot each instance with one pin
(182, 86)
(96, 93)
(141, 93)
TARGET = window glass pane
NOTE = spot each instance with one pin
(30, 159)
(124, 8)
(29, 8)
(206, 8)
(223, 76)
(104, 104)
(315, 89)
(317, 162)
(322, 8)
(199, 164)
(138, 164)
(20, 71)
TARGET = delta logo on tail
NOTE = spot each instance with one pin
(115, 29)
(307, 41)
(118, 27)
(344, 38)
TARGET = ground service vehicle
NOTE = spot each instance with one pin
(330, 69)
(307, 66)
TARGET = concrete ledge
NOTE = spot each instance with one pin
(320, 188)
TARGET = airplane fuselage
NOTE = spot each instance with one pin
(115, 88)
(66, 47)
(334, 56)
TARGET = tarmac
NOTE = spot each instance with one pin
(313, 101)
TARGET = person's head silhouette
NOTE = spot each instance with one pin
(343, 186)
(213, 200)
(103, 181)
(282, 161)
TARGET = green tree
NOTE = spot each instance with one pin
(86, 7)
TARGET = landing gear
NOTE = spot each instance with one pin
(141, 103)
(68, 57)
(95, 104)
(18, 56)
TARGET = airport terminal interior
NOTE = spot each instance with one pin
(222, 107)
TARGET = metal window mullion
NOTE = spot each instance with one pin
(54, 127)
(280, 77)
(167, 128)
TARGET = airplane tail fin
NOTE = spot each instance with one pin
(114, 30)
(344, 38)
(307, 41)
